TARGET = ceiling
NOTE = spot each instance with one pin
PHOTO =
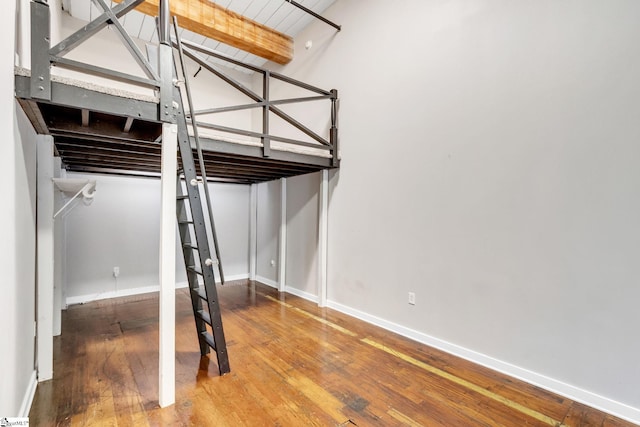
(277, 14)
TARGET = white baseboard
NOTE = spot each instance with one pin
(293, 291)
(83, 299)
(267, 282)
(244, 276)
(27, 400)
(596, 401)
(302, 294)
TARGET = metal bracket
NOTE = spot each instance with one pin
(40, 41)
(165, 65)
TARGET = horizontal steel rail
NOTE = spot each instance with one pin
(262, 102)
(218, 55)
(259, 104)
(253, 134)
(104, 72)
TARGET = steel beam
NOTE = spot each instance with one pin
(266, 141)
(128, 42)
(239, 86)
(166, 66)
(78, 97)
(92, 28)
(40, 83)
(104, 72)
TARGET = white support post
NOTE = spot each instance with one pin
(323, 236)
(253, 232)
(58, 254)
(45, 256)
(282, 243)
(167, 353)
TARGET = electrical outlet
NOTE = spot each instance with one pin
(412, 298)
(116, 271)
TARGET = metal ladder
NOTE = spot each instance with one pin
(193, 236)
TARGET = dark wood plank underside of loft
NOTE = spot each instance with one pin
(96, 132)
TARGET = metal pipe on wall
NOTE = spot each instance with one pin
(312, 13)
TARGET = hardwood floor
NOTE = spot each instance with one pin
(292, 364)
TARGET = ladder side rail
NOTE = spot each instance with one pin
(200, 232)
(189, 259)
(203, 172)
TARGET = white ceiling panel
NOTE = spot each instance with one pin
(268, 10)
(147, 29)
(254, 9)
(238, 6)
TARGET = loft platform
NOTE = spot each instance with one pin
(102, 129)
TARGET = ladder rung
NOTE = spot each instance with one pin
(185, 221)
(190, 246)
(200, 292)
(204, 316)
(193, 269)
(209, 339)
(182, 196)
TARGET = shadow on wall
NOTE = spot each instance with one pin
(302, 232)
(303, 199)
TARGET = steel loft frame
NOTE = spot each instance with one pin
(43, 56)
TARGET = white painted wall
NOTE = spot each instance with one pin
(268, 226)
(302, 232)
(17, 246)
(490, 166)
(120, 229)
(231, 214)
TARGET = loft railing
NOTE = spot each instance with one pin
(43, 56)
(264, 102)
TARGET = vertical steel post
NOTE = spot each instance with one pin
(40, 44)
(165, 66)
(266, 141)
(333, 132)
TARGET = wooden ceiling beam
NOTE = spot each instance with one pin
(211, 20)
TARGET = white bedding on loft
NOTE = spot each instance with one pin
(19, 71)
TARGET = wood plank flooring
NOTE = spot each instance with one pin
(292, 364)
